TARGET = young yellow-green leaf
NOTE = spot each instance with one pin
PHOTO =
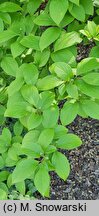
(69, 141)
(61, 164)
(91, 78)
(78, 12)
(68, 113)
(48, 37)
(67, 40)
(44, 20)
(91, 108)
(75, 2)
(42, 180)
(23, 170)
(6, 35)
(9, 7)
(3, 194)
(9, 65)
(50, 117)
(31, 41)
(89, 90)
(87, 65)
(58, 10)
(2, 162)
(34, 121)
(17, 49)
(48, 82)
(46, 137)
(3, 175)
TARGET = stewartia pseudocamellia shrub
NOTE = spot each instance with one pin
(38, 71)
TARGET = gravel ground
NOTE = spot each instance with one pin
(82, 183)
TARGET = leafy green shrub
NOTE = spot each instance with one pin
(38, 68)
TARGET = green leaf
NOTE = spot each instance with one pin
(78, 12)
(72, 90)
(47, 99)
(9, 7)
(15, 86)
(41, 58)
(60, 130)
(24, 169)
(2, 110)
(92, 28)
(91, 108)
(58, 10)
(30, 147)
(9, 65)
(7, 135)
(42, 180)
(30, 94)
(88, 6)
(50, 117)
(91, 78)
(1, 25)
(69, 141)
(89, 90)
(30, 138)
(44, 20)
(2, 162)
(61, 164)
(7, 35)
(48, 37)
(64, 56)
(87, 65)
(33, 5)
(30, 73)
(3, 194)
(31, 41)
(3, 175)
(62, 70)
(94, 52)
(34, 120)
(16, 106)
(67, 40)
(75, 2)
(5, 17)
(48, 82)
(18, 128)
(20, 186)
(46, 137)
(68, 113)
(17, 49)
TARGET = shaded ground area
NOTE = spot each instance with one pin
(82, 183)
(83, 180)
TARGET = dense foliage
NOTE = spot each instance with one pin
(39, 72)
